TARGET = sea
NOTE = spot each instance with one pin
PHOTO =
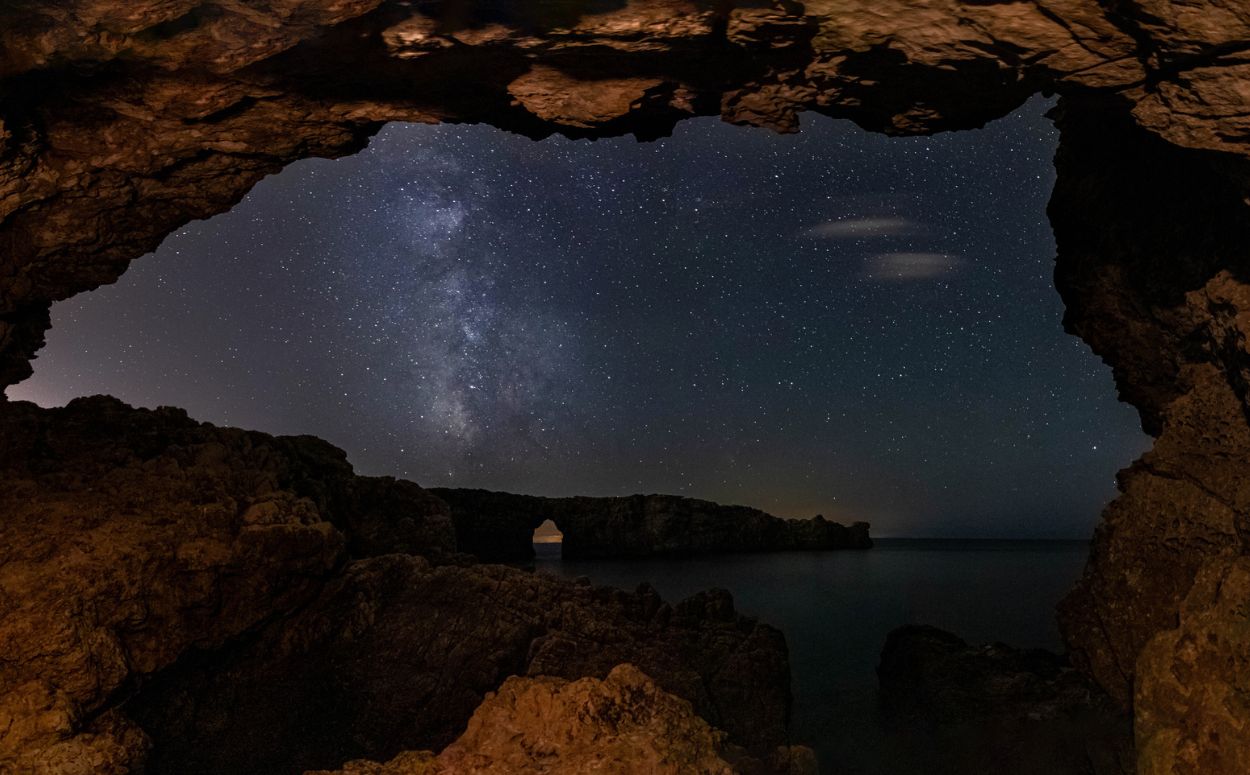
(837, 607)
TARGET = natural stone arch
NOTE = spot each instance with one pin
(554, 536)
(499, 526)
(117, 126)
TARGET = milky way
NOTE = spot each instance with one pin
(830, 322)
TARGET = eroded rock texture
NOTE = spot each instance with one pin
(1194, 693)
(623, 723)
(1153, 277)
(395, 655)
(120, 121)
(129, 537)
(199, 599)
(499, 526)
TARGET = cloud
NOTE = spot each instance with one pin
(893, 267)
(873, 226)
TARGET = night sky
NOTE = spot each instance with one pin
(831, 322)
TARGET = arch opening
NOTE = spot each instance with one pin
(548, 540)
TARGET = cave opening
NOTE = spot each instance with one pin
(831, 314)
(833, 322)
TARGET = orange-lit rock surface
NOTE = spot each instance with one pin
(623, 723)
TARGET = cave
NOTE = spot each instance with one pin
(118, 126)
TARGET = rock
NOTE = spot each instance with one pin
(127, 538)
(1146, 272)
(1193, 681)
(176, 597)
(387, 515)
(936, 674)
(622, 723)
(993, 709)
(117, 126)
(499, 526)
(395, 654)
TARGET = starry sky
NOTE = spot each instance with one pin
(831, 322)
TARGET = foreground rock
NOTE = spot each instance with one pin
(972, 710)
(623, 723)
(395, 655)
(500, 526)
(176, 597)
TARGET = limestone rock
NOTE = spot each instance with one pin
(1151, 280)
(622, 723)
(1193, 681)
(129, 537)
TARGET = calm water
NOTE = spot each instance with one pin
(836, 608)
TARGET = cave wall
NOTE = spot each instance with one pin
(1154, 261)
(1154, 278)
(121, 121)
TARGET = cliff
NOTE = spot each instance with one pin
(500, 526)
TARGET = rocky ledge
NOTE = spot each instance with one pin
(177, 597)
(500, 526)
(623, 723)
(991, 709)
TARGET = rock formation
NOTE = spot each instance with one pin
(121, 121)
(623, 723)
(188, 599)
(1195, 680)
(499, 526)
(985, 710)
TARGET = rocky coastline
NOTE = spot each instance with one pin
(499, 526)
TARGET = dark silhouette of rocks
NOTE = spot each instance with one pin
(1151, 286)
(120, 122)
(985, 710)
(188, 598)
(499, 526)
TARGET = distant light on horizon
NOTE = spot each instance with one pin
(548, 533)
